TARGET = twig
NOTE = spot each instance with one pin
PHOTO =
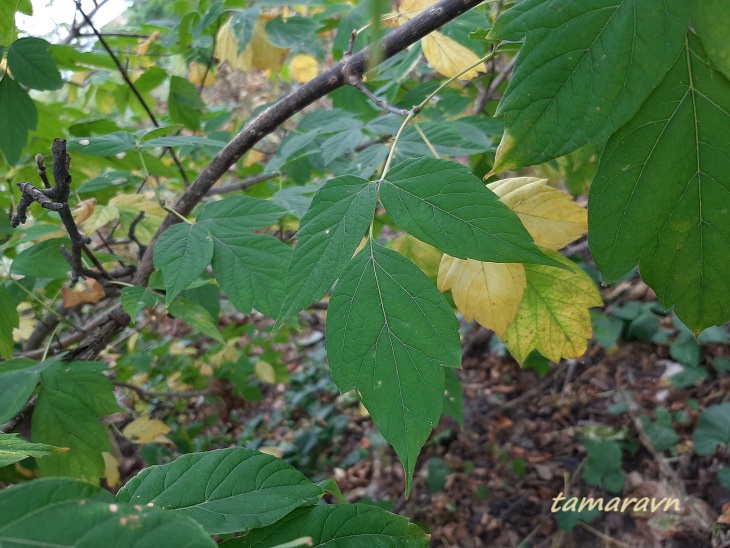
(75, 30)
(253, 180)
(147, 395)
(357, 82)
(132, 87)
(41, 162)
(497, 81)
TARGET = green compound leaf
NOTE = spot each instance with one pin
(660, 196)
(713, 429)
(32, 64)
(9, 320)
(337, 526)
(63, 512)
(711, 21)
(225, 491)
(182, 253)
(329, 234)
(18, 116)
(72, 397)
(13, 449)
(18, 379)
(197, 317)
(389, 334)
(240, 214)
(134, 299)
(42, 260)
(583, 72)
(443, 204)
(251, 269)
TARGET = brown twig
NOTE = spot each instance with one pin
(147, 395)
(242, 185)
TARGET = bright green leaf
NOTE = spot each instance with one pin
(18, 115)
(182, 252)
(240, 214)
(43, 260)
(225, 491)
(62, 512)
(389, 334)
(184, 103)
(134, 299)
(660, 196)
(72, 397)
(33, 65)
(443, 204)
(453, 397)
(196, 316)
(251, 270)
(18, 379)
(104, 145)
(13, 449)
(328, 236)
(9, 320)
(337, 526)
(182, 140)
(584, 70)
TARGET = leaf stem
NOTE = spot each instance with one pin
(425, 140)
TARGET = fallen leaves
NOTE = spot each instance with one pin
(530, 307)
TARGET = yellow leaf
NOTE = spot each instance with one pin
(146, 430)
(101, 216)
(272, 450)
(265, 372)
(553, 317)
(266, 56)
(111, 469)
(490, 293)
(253, 157)
(132, 204)
(303, 68)
(144, 45)
(226, 49)
(425, 257)
(198, 71)
(24, 329)
(551, 216)
(449, 57)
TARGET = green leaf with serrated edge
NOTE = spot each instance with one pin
(225, 491)
(443, 204)
(63, 512)
(251, 270)
(184, 103)
(328, 236)
(13, 449)
(104, 145)
(134, 299)
(182, 140)
(32, 64)
(390, 332)
(453, 397)
(196, 316)
(711, 21)
(337, 525)
(713, 429)
(660, 196)
(182, 252)
(42, 260)
(18, 115)
(18, 379)
(584, 70)
(240, 214)
(9, 320)
(72, 397)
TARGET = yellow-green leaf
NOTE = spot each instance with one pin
(489, 293)
(146, 430)
(553, 317)
(551, 217)
(424, 256)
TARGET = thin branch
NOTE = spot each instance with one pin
(132, 87)
(75, 30)
(242, 185)
(147, 395)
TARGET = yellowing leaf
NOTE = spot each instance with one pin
(87, 291)
(424, 256)
(265, 371)
(553, 317)
(303, 68)
(444, 54)
(449, 57)
(111, 469)
(24, 329)
(101, 216)
(147, 430)
(259, 53)
(253, 157)
(551, 216)
(83, 210)
(197, 72)
(490, 293)
(138, 202)
(144, 45)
